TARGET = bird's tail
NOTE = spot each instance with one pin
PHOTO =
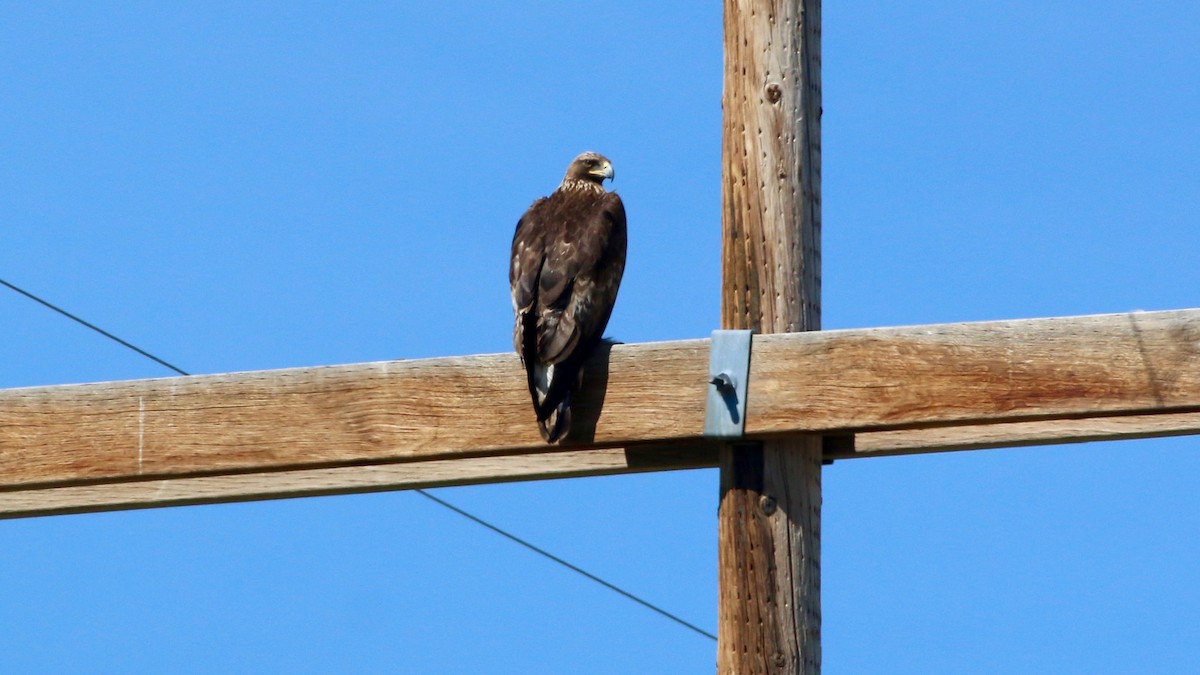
(549, 385)
(557, 422)
(551, 389)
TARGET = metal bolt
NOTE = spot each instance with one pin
(723, 382)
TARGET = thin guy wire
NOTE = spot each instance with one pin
(423, 493)
(99, 330)
(566, 564)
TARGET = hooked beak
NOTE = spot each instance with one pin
(604, 171)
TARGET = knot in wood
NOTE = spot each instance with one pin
(774, 92)
(767, 504)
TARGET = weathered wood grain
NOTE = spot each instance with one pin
(309, 417)
(1014, 434)
(974, 373)
(139, 494)
(980, 385)
(769, 541)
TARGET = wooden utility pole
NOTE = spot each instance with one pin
(458, 420)
(769, 532)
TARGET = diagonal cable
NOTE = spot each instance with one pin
(94, 327)
(423, 493)
(566, 564)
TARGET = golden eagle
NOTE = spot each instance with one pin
(568, 254)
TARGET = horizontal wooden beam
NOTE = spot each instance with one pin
(327, 416)
(976, 373)
(1011, 435)
(139, 494)
(341, 480)
(355, 427)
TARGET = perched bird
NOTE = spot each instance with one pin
(568, 254)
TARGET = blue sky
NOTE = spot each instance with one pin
(239, 186)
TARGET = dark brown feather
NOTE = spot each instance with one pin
(568, 256)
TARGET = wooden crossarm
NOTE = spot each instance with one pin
(367, 426)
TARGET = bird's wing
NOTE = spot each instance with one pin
(525, 268)
(580, 275)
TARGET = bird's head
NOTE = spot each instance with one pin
(591, 167)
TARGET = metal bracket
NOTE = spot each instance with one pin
(728, 377)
